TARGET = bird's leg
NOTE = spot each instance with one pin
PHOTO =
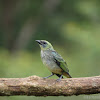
(49, 76)
(59, 75)
(60, 78)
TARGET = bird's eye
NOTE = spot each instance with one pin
(44, 43)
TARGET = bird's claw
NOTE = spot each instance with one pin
(44, 77)
(58, 80)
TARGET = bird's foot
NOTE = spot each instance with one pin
(58, 80)
(45, 77)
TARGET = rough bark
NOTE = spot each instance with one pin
(36, 86)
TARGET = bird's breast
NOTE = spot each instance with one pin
(48, 61)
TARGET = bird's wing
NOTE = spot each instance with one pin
(60, 61)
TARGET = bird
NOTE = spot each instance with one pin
(53, 61)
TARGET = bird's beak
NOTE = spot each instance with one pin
(38, 41)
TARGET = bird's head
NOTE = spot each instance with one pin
(45, 45)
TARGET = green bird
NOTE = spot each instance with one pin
(54, 62)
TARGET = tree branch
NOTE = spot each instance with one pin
(36, 86)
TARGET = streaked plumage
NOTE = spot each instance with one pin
(53, 61)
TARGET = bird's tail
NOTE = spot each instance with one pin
(67, 75)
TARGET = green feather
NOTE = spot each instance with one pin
(60, 61)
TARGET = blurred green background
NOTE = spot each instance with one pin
(72, 26)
